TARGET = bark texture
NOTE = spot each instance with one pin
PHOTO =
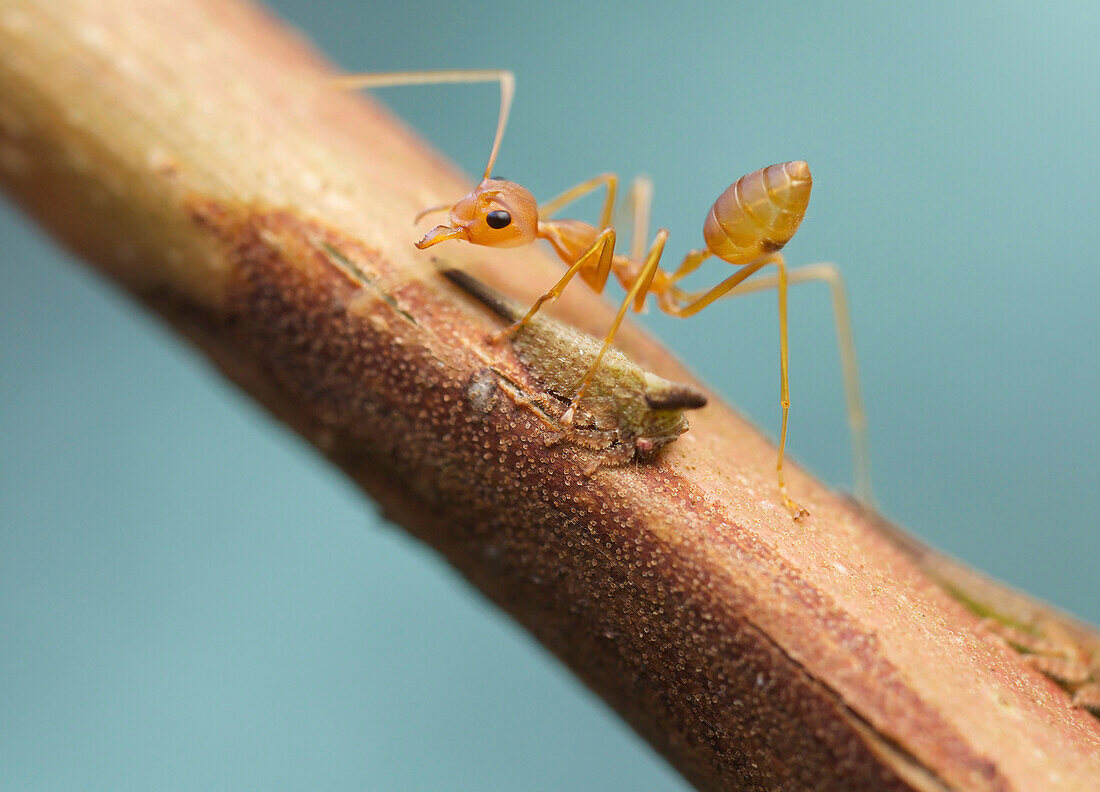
(191, 150)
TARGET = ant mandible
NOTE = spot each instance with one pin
(746, 227)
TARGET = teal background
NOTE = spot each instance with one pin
(190, 598)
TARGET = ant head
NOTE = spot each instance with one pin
(497, 213)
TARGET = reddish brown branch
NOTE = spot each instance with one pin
(197, 156)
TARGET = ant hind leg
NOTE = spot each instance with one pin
(696, 303)
(857, 419)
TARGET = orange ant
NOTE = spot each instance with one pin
(746, 227)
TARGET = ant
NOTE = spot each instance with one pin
(746, 227)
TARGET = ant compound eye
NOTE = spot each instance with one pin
(498, 218)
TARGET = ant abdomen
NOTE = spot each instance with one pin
(759, 213)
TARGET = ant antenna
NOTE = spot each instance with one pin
(506, 79)
(430, 210)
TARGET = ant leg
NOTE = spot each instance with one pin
(602, 247)
(506, 79)
(694, 303)
(640, 199)
(641, 202)
(551, 232)
(556, 204)
(641, 192)
(699, 303)
(690, 263)
(857, 419)
(639, 288)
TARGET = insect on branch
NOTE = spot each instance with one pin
(752, 651)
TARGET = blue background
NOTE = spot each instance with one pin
(190, 598)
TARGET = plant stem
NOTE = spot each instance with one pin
(193, 151)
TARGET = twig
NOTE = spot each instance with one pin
(192, 150)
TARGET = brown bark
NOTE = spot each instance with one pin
(192, 151)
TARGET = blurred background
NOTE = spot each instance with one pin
(190, 598)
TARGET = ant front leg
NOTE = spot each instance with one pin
(637, 293)
(601, 251)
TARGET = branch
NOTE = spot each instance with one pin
(192, 150)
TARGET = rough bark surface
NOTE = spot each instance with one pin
(191, 150)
